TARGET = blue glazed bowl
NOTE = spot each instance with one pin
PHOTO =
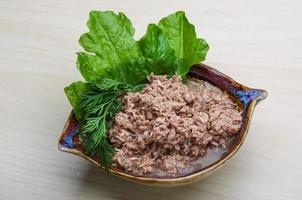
(247, 97)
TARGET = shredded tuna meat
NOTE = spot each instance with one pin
(169, 124)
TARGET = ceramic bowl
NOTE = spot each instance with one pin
(247, 97)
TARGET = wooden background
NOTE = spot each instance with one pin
(258, 43)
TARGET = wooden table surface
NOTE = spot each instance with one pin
(258, 43)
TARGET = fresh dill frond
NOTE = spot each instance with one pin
(99, 104)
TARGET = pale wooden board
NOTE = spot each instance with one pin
(259, 43)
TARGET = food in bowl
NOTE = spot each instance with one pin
(141, 114)
(215, 158)
(166, 128)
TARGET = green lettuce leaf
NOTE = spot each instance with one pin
(160, 57)
(112, 51)
(182, 38)
(90, 66)
(74, 93)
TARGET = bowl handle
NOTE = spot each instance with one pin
(246, 96)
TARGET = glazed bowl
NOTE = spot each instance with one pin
(247, 97)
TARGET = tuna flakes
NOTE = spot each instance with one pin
(168, 125)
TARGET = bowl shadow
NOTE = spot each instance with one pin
(96, 183)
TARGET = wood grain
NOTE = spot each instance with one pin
(258, 43)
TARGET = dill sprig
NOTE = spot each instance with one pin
(98, 105)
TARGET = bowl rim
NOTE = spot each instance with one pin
(196, 71)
